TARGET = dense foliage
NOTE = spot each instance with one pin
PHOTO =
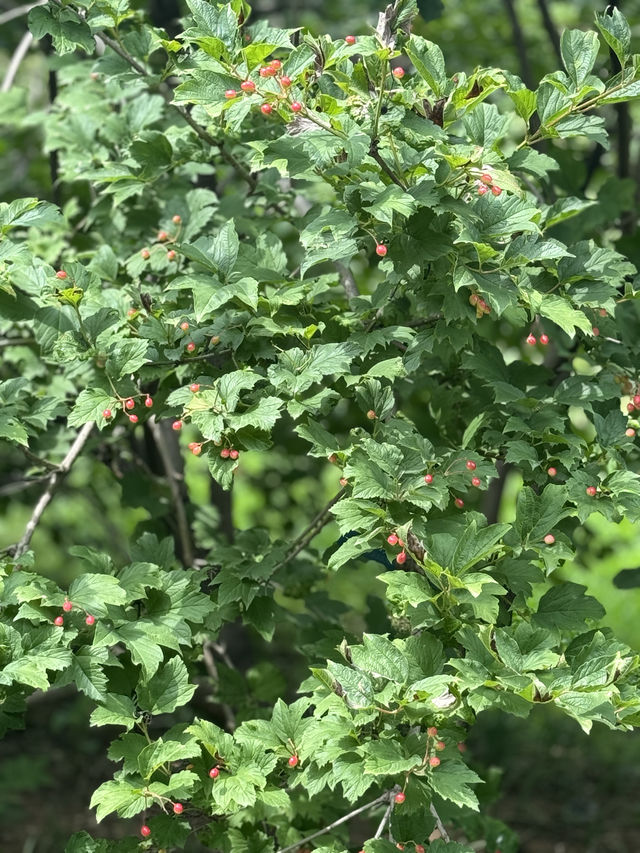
(336, 248)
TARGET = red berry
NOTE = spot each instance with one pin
(531, 340)
(371, 415)
(132, 312)
(544, 339)
(482, 190)
(59, 621)
(484, 306)
(602, 312)
(549, 539)
(148, 401)
(61, 274)
(129, 404)
(398, 73)
(162, 236)
(285, 81)
(630, 433)
(475, 481)
(230, 93)
(293, 761)
(332, 457)
(400, 797)
(636, 400)
(145, 254)
(401, 558)
(496, 190)
(171, 255)
(145, 830)
(631, 407)
(177, 425)
(462, 747)
(392, 539)
(225, 453)
(214, 772)
(552, 471)
(194, 387)
(275, 64)
(90, 620)
(67, 606)
(191, 346)
(266, 109)
(106, 414)
(434, 761)
(343, 481)
(248, 86)
(419, 848)
(177, 219)
(184, 326)
(381, 249)
(400, 846)
(471, 465)
(196, 449)
(428, 478)
(432, 731)
(133, 418)
(178, 808)
(486, 178)
(440, 745)
(234, 454)
(296, 106)
(591, 491)
(596, 331)
(459, 503)
(350, 39)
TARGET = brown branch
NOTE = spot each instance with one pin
(550, 27)
(212, 669)
(385, 816)
(385, 166)
(18, 55)
(520, 44)
(311, 530)
(443, 832)
(347, 281)
(174, 477)
(55, 479)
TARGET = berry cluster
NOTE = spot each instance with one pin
(164, 237)
(485, 184)
(480, 305)
(67, 607)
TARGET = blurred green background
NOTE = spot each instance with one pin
(560, 790)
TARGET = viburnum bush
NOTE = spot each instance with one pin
(343, 251)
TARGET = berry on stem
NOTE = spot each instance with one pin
(371, 415)
(432, 731)
(275, 64)
(162, 236)
(133, 418)
(401, 558)
(496, 190)
(381, 250)
(177, 219)
(475, 481)
(234, 454)
(552, 471)
(462, 747)
(482, 190)
(145, 254)
(184, 326)
(343, 481)
(215, 340)
(129, 404)
(459, 503)
(230, 93)
(194, 387)
(293, 761)
(350, 39)
(225, 453)
(106, 414)
(531, 340)
(434, 761)
(178, 808)
(419, 848)
(177, 425)
(428, 478)
(59, 621)
(248, 86)
(214, 772)
(61, 274)
(266, 109)
(285, 81)
(630, 433)
(636, 401)
(591, 491)
(471, 465)
(544, 339)
(145, 830)
(90, 620)
(191, 346)
(148, 401)
(296, 106)
(440, 745)
(549, 539)
(596, 331)
(195, 448)
(400, 797)
(398, 72)
(67, 605)
(630, 407)
(486, 178)
(171, 255)
(392, 539)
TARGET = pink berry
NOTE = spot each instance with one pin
(591, 491)
(90, 620)
(191, 346)
(332, 457)
(392, 539)
(552, 471)
(630, 433)
(440, 745)
(462, 747)
(549, 539)
(162, 236)
(544, 339)
(177, 219)
(266, 109)
(145, 254)
(630, 408)
(293, 761)
(381, 249)
(296, 106)
(482, 190)
(184, 326)
(401, 559)
(496, 190)
(471, 465)
(196, 449)
(248, 86)
(636, 401)
(602, 312)
(177, 425)
(531, 340)
(432, 731)
(400, 797)
(67, 606)
(59, 621)
(61, 274)
(214, 772)
(106, 414)
(475, 481)
(371, 415)
(474, 299)
(148, 401)
(419, 848)
(194, 387)
(434, 761)
(596, 331)
(178, 808)
(145, 830)
(459, 503)
(343, 481)
(129, 404)
(230, 93)
(234, 454)
(275, 64)
(171, 255)
(285, 81)
(398, 73)
(225, 453)
(486, 178)
(428, 478)
(133, 418)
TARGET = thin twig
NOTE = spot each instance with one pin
(18, 55)
(347, 281)
(385, 817)
(550, 27)
(212, 669)
(54, 482)
(520, 44)
(173, 476)
(19, 11)
(385, 167)
(443, 832)
(338, 822)
(311, 530)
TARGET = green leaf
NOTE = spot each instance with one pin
(386, 758)
(381, 658)
(94, 592)
(615, 31)
(536, 515)
(566, 608)
(115, 711)
(64, 26)
(89, 406)
(167, 690)
(451, 781)
(579, 52)
(126, 357)
(429, 62)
